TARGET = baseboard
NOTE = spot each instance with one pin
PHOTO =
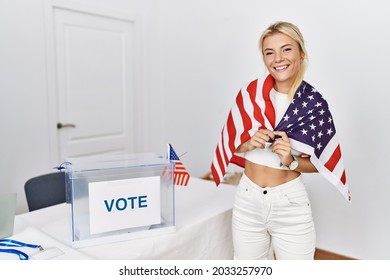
(321, 254)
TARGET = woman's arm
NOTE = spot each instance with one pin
(304, 165)
(282, 148)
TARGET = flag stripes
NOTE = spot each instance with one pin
(180, 177)
(307, 122)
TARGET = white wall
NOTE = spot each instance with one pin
(197, 54)
(23, 106)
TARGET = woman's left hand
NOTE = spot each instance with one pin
(282, 148)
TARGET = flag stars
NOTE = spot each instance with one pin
(321, 122)
(299, 94)
(321, 112)
(311, 97)
(304, 132)
(312, 117)
(330, 120)
(296, 111)
(304, 104)
(286, 117)
(313, 138)
(319, 146)
(330, 131)
(318, 104)
(320, 134)
(312, 126)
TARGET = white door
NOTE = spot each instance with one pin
(95, 83)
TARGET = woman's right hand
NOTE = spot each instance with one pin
(258, 140)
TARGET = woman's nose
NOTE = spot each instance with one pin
(278, 57)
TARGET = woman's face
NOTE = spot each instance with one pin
(283, 59)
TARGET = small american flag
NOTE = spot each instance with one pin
(307, 122)
(181, 176)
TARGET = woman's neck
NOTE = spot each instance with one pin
(282, 87)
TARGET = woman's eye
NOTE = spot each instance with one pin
(287, 49)
(268, 53)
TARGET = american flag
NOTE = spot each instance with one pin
(307, 122)
(181, 176)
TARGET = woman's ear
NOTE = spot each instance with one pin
(302, 57)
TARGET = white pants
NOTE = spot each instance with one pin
(277, 218)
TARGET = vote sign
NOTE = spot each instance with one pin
(124, 204)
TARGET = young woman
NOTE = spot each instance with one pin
(279, 127)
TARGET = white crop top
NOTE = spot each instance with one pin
(265, 156)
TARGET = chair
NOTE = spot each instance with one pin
(45, 190)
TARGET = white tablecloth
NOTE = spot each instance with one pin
(203, 229)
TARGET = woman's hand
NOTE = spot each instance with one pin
(258, 140)
(282, 148)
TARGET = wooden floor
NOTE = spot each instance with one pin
(326, 255)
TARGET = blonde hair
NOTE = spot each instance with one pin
(294, 33)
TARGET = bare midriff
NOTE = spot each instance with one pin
(265, 176)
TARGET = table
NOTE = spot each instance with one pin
(203, 229)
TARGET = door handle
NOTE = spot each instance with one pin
(64, 125)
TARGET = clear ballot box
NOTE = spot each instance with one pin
(119, 197)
